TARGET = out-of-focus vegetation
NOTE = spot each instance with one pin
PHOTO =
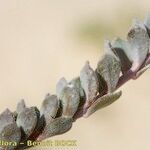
(97, 28)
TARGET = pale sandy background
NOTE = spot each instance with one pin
(41, 41)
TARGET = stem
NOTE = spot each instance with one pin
(124, 78)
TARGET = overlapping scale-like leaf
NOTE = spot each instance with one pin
(120, 48)
(89, 82)
(70, 98)
(20, 106)
(133, 51)
(138, 40)
(76, 82)
(49, 107)
(102, 102)
(58, 126)
(60, 86)
(147, 24)
(27, 120)
(10, 134)
(6, 118)
(109, 68)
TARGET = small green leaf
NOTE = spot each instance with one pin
(147, 24)
(60, 85)
(6, 118)
(103, 102)
(10, 134)
(138, 41)
(120, 48)
(49, 107)
(109, 50)
(77, 83)
(27, 120)
(109, 69)
(21, 106)
(70, 99)
(133, 52)
(57, 126)
(89, 82)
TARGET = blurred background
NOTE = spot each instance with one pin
(41, 41)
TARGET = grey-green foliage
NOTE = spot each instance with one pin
(27, 120)
(136, 47)
(138, 40)
(119, 47)
(20, 106)
(147, 23)
(6, 118)
(70, 98)
(9, 130)
(83, 95)
(109, 69)
(11, 133)
(103, 102)
(49, 107)
(60, 86)
(58, 126)
(76, 82)
(89, 82)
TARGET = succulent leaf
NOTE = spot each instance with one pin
(120, 48)
(57, 126)
(60, 86)
(70, 99)
(49, 107)
(27, 120)
(147, 24)
(103, 102)
(77, 83)
(21, 106)
(6, 118)
(138, 40)
(109, 69)
(89, 82)
(10, 133)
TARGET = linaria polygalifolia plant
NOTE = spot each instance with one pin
(82, 96)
